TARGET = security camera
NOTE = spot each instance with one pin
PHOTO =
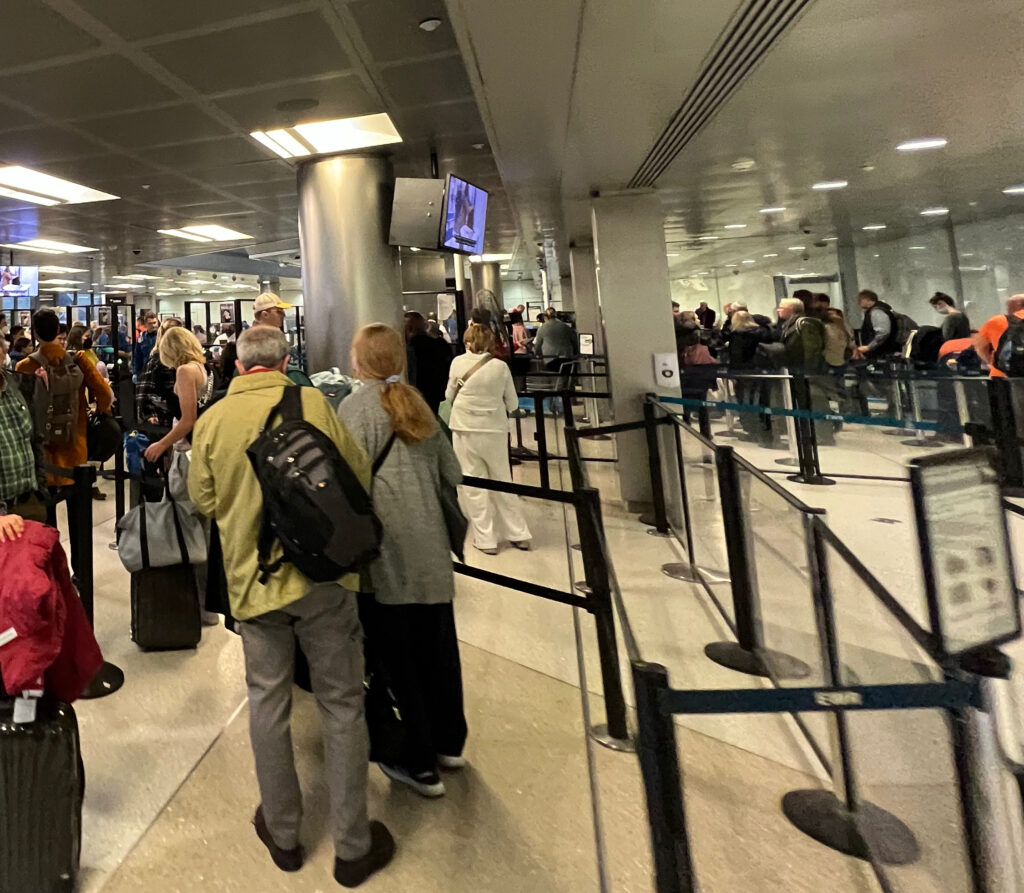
(214, 275)
(735, 272)
(821, 243)
(178, 272)
(234, 278)
(805, 256)
(136, 251)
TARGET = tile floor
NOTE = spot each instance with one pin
(171, 786)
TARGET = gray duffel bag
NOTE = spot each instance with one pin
(161, 534)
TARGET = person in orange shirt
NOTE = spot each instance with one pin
(986, 339)
(94, 389)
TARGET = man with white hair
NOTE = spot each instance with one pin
(288, 608)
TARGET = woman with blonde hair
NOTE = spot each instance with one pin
(180, 350)
(482, 394)
(408, 620)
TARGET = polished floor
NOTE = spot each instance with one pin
(171, 787)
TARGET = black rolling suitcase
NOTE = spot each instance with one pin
(41, 787)
(165, 610)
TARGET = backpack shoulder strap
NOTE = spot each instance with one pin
(379, 461)
(289, 407)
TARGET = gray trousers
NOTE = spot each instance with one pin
(326, 624)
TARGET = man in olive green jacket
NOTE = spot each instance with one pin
(323, 617)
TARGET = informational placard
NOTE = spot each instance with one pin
(965, 553)
(586, 345)
(103, 317)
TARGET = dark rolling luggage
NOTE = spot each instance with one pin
(41, 787)
(165, 609)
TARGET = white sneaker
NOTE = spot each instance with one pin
(426, 784)
(447, 762)
(523, 545)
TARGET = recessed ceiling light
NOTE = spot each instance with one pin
(934, 212)
(431, 24)
(937, 142)
(55, 269)
(769, 255)
(965, 254)
(1013, 190)
(134, 276)
(917, 248)
(735, 226)
(750, 261)
(730, 266)
(479, 146)
(181, 234)
(867, 167)
(706, 238)
(49, 246)
(797, 248)
(825, 185)
(744, 164)
(877, 255)
(772, 210)
(703, 273)
(671, 255)
(337, 135)
(830, 239)
(872, 227)
(28, 185)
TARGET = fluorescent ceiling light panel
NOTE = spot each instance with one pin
(286, 141)
(49, 190)
(917, 248)
(1014, 190)
(20, 196)
(55, 269)
(830, 184)
(349, 133)
(215, 232)
(735, 226)
(181, 234)
(769, 255)
(134, 276)
(49, 246)
(797, 248)
(934, 212)
(750, 261)
(707, 238)
(830, 239)
(772, 210)
(872, 227)
(937, 142)
(60, 282)
(671, 255)
(489, 258)
(274, 147)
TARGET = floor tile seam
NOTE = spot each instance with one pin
(174, 794)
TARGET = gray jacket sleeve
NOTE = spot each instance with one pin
(882, 326)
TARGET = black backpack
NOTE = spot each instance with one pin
(313, 504)
(1009, 356)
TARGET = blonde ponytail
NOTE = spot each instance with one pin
(378, 352)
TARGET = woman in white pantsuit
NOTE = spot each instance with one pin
(482, 395)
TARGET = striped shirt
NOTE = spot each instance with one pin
(17, 461)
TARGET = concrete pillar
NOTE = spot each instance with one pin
(350, 275)
(584, 288)
(635, 298)
(487, 275)
(846, 255)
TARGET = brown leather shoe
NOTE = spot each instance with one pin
(352, 872)
(286, 860)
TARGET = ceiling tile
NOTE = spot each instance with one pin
(337, 97)
(138, 130)
(427, 121)
(84, 88)
(206, 153)
(101, 171)
(259, 172)
(265, 191)
(391, 28)
(33, 31)
(435, 80)
(32, 147)
(136, 20)
(295, 47)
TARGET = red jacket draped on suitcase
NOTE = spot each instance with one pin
(38, 602)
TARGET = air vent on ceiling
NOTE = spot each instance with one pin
(755, 28)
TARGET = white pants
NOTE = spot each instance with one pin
(494, 517)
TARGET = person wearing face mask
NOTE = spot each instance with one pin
(955, 324)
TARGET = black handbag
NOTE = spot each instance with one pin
(103, 436)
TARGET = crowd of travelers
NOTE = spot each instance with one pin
(372, 635)
(813, 339)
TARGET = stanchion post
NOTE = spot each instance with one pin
(663, 787)
(806, 437)
(654, 462)
(119, 479)
(588, 515)
(1004, 430)
(80, 534)
(748, 621)
(541, 436)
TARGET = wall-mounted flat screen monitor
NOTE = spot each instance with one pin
(416, 215)
(22, 282)
(465, 218)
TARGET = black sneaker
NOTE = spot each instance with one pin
(352, 872)
(427, 783)
(286, 860)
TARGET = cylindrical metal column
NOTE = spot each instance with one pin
(487, 276)
(350, 275)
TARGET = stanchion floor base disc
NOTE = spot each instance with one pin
(732, 656)
(653, 531)
(108, 680)
(600, 735)
(648, 519)
(789, 460)
(679, 570)
(582, 586)
(522, 453)
(815, 481)
(926, 444)
(871, 831)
